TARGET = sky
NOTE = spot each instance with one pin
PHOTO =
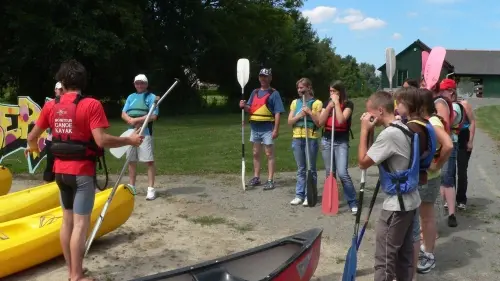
(364, 28)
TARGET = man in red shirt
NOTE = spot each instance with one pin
(78, 126)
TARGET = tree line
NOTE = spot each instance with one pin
(191, 40)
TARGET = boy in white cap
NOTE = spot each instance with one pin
(134, 113)
(48, 173)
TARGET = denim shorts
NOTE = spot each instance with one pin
(449, 169)
(263, 137)
(429, 192)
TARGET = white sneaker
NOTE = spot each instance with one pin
(354, 210)
(305, 203)
(296, 201)
(426, 263)
(151, 195)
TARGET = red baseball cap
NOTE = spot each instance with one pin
(447, 84)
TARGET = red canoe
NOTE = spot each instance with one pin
(293, 258)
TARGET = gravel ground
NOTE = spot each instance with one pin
(169, 230)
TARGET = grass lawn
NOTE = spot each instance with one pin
(488, 119)
(207, 144)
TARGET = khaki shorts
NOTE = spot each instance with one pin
(143, 153)
(429, 192)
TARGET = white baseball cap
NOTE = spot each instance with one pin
(141, 77)
(58, 85)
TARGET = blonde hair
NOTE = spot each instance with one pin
(306, 82)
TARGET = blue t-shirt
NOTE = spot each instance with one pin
(275, 105)
(138, 100)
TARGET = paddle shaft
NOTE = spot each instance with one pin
(243, 140)
(372, 204)
(115, 187)
(308, 163)
(332, 141)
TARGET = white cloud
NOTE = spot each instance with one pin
(412, 14)
(320, 14)
(397, 36)
(357, 21)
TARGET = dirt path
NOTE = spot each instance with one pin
(170, 233)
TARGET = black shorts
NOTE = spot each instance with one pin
(77, 193)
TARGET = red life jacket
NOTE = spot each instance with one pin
(344, 127)
(259, 111)
(68, 142)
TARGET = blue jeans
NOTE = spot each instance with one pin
(299, 152)
(340, 159)
(449, 169)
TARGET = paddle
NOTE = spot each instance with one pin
(351, 259)
(312, 191)
(118, 152)
(425, 56)
(390, 64)
(115, 187)
(372, 204)
(243, 73)
(433, 67)
(330, 200)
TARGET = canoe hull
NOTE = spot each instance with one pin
(32, 240)
(28, 201)
(5, 180)
(294, 258)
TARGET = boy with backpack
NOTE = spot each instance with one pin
(395, 152)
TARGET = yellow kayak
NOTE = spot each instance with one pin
(5, 180)
(32, 240)
(29, 201)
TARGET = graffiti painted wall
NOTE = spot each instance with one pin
(16, 121)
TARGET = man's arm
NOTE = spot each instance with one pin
(33, 137)
(444, 111)
(472, 120)
(446, 146)
(105, 140)
(277, 108)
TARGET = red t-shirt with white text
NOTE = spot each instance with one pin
(89, 115)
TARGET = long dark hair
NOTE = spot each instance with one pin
(339, 86)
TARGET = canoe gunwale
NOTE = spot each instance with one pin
(306, 240)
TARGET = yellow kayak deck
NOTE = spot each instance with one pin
(32, 240)
(29, 201)
(5, 180)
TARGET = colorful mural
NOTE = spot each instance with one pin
(16, 121)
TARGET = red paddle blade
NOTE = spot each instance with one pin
(330, 200)
(433, 66)
(425, 56)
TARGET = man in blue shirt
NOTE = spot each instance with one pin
(265, 107)
(134, 113)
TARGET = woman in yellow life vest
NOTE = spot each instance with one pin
(311, 110)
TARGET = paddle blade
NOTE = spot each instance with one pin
(243, 175)
(312, 192)
(425, 56)
(351, 263)
(243, 71)
(118, 152)
(390, 63)
(330, 200)
(433, 66)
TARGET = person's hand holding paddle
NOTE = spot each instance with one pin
(306, 110)
(242, 104)
(135, 139)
